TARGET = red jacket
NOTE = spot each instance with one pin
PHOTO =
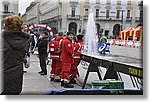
(67, 51)
(77, 50)
(53, 49)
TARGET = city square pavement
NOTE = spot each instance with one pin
(34, 83)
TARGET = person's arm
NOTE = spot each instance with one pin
(77, 47)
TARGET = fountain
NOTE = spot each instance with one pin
(90, 38)
(112, 67)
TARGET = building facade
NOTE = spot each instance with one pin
(7, 8)
(32, 13)
(111, 16)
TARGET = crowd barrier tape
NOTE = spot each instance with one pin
(129, 43)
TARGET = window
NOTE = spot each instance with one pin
(118, 2)
(129, 2)
(141, 15)
(86, 12)
(5, 8)
(108, 2)
(97, 1)
(118, 14)
(107, 13)
(73, 12)
(97, 12)
(86, 1)
(128, 13)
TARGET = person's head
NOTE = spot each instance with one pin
(70, 35)
(103, 34)
(46, 33)
(60, 34)
(13, 23)
(79, 37)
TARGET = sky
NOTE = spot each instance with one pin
(23, 4)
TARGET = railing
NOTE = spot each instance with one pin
(127, 43)
(113, 18)
(138, 19)
(73, 17)
(129, 2)
(128, 19)
(118, 2)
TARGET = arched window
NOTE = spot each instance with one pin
(73, 27)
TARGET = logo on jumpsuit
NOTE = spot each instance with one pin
(69, 45)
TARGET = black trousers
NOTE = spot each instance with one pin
(43, 59)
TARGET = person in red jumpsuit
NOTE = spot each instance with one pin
(55, 74)
(53, 56)
(78, 48)
(67, 59)
(58, 68)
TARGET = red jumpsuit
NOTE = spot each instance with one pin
(58, 62)
(54, 56)
(67, 59)
(78, 47)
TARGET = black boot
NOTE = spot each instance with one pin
(52, 79)
(72, 80)
(62, 83)
(40, 72)
(67, 85)
(57, 80)
(43, 73)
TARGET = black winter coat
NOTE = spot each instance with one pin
(13, 52)
(42, 46)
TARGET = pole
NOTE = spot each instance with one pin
(122, 21)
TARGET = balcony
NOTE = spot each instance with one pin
(118, 2)
(128, 19)
(85, 17)
(138, 19)
(75, 17)
(74, 1)
(110, 18)
(129, 2)
(104, 18)
(7, 13)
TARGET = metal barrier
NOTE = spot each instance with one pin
(115, 66)
(129, 43)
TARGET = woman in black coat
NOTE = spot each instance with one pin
(13, 53)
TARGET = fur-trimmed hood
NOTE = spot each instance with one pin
(16, 39)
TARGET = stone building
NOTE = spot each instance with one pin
(111, 16)
(7, 8)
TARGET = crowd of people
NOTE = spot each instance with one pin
(65, 54)
(64, 50)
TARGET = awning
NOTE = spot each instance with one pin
(137, 33)
(125, 33)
